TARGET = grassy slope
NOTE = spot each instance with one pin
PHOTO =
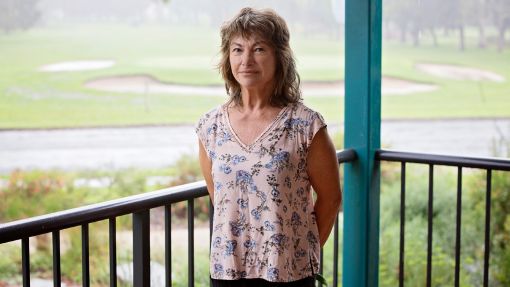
(29, 98)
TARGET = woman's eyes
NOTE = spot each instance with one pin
(256, 49)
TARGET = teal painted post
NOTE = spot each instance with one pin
(362, 133)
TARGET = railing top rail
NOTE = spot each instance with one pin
(94, 212)
(472, 162)
(91, 213)
(346, 155)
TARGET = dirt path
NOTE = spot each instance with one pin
(149, 147)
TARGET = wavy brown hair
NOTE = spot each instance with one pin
(273, 29)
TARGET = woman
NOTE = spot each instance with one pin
(260, 154)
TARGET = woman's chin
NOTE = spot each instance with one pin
(250, 84)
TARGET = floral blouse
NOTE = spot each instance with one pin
(263, 224)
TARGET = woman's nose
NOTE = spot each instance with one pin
(247, 58)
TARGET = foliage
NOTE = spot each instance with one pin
(15, 14)
(98, 254)
(34, 193)
(420, 17)
(500, 222)
(32, 185)
(10, 261)
(187, 169)
(444, 216)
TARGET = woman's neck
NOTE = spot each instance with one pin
(256, 98)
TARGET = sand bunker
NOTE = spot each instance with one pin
(77, 66)
(390, 86)
(148, 84)
(459, 72)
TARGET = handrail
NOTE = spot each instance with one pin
(346, 155)
(139, 206)
(437, 159)
(95, 212)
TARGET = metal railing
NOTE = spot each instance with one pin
(139, 206)
(487, 164)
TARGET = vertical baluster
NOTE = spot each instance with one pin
(191, 259)
(56, 258)
(141, 249)
(85, 255)
(458, 225)
(25, 261)
(429, 230)
(487, 246)
(112, 224)
(211, 215)
(321, 263)
(402, 224)
(168, 245)
(335, 253)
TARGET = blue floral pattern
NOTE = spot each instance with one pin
(263, 224)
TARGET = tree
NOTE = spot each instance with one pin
(398, 12)
(416, 17)
(18, 14)
(480, 20)
(456, 16)
(499, 11)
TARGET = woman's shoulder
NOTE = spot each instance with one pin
(301, 110)
(210, 117)
(213, 113)
(217, 110)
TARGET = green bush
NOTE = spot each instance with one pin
(34, 193)
(10, 261)
(500, 224)
(444, 211)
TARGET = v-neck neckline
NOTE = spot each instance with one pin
(268, 128)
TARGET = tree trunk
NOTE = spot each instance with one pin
(501, 38)
(386, 32)
(462, 46)
(434, 37)
(403, 33)
(416, 36)
(482, 42)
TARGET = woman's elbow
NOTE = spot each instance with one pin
(332, 199)
(336, 198)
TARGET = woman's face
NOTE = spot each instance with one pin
(252, 61)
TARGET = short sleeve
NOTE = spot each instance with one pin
(316, 123)
(206, 128)
(200, 130)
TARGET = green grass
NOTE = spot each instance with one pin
(33, 99)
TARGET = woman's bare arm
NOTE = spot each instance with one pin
(206, 166)
(325, 180)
